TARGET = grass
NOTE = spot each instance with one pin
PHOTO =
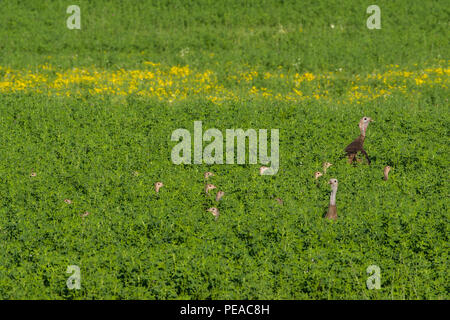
(105, 150)
(266, 33)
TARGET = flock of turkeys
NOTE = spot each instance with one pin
(351, 150)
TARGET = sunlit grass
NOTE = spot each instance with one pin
(86, 118)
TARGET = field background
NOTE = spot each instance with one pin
(91, 112)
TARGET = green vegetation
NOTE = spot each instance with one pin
(105, 151)
(267, 33)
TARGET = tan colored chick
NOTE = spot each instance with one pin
(208, 174)
(386, 172)
(215, 212)
(326, 165)
(158, 186)
(209, 187)
(219, 195)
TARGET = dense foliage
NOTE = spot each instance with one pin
(104, 152)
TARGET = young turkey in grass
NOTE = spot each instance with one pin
(326, 165)
(358, 144)
(219, 195)
(317, 175)
(158, 186)
(386, 172)
(332, 210)
(208, 187)
(208, 174)
(85, 214)
(263, 169)
(214, 211)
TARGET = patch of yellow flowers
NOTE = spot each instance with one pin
(177, 83)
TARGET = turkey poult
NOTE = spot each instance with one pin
(208, 174)
(326, 165)
(263, 169)
(317, 175)
(208, 187)
(358, 144)
(386, 172)
(214, 211)
(158, 186)
(332, 211)
(219, 195)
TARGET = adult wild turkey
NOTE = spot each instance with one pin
(358, 144)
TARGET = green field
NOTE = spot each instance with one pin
(88, 114)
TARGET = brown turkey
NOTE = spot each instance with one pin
(358, 144)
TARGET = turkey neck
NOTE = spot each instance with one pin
(363, 133)
(361, 138)
(333, 196)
